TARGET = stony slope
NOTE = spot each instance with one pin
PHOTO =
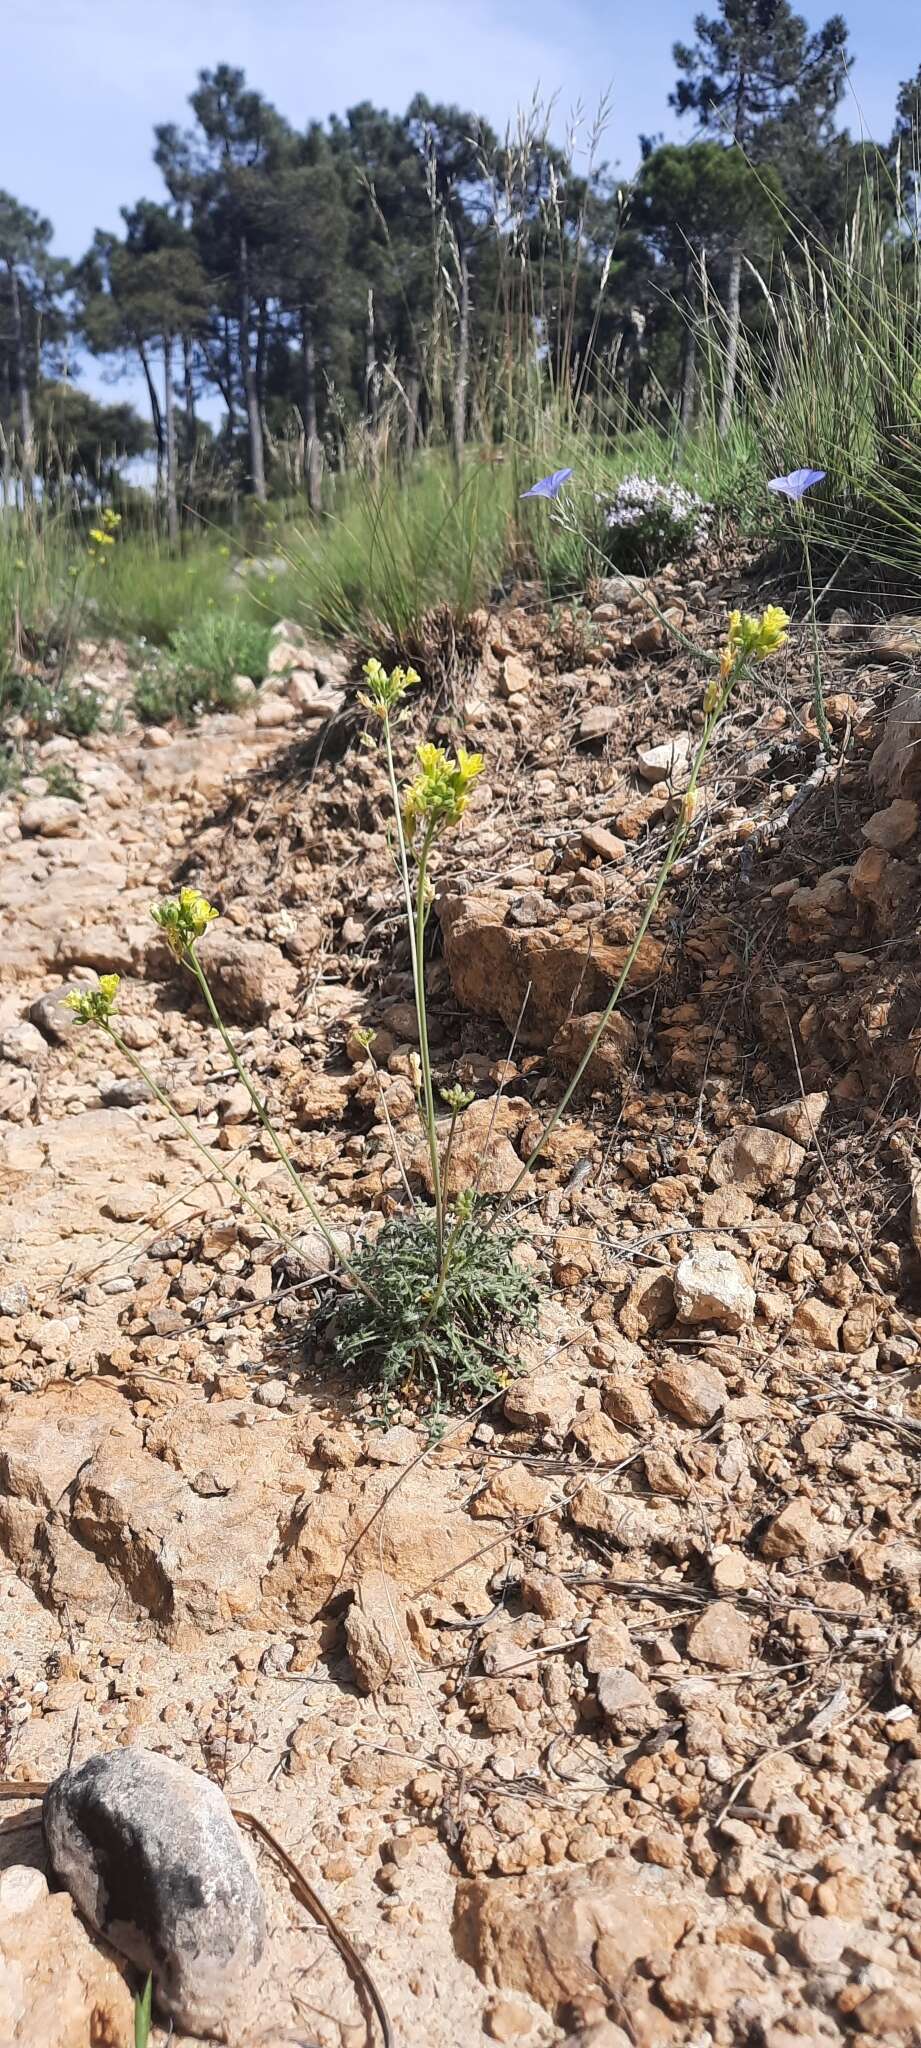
(599, 1718)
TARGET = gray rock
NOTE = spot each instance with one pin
(50, 1014)
(153, 1858)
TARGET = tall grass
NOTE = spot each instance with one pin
(836, 383)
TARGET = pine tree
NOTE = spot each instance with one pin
(30, 281)
(757, 77)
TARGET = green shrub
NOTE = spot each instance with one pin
(197, 671)
(51, 707)
(62, 781)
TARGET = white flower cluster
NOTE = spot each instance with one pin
(641, 501)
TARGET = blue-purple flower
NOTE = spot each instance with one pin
(549, 486)
(796, 484)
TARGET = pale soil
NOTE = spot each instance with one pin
(641, 1758)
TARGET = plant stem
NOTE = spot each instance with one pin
(424, 1055)
(671, 855)
(818, 693)
(415, 921)
(264, 1118)
(188, 1132)
(398, 1157)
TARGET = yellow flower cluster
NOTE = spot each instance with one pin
(751, 639)
(94, 1005)
(103, 535)
(384, 692)
(440, 794)
(183, 919)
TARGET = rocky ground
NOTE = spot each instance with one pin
(597, 1718)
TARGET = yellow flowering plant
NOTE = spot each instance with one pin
(748, 640)
(439, 796)
(434, 803)
(183, 919)
(94, 1005)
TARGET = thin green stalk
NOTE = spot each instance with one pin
(446, 1158)
(415, 920)
(186, 1128)
(671, 855)
(424, 1055)
(398, 1156)
(818, 693)
(269, 1128)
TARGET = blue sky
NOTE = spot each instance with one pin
(85, 80)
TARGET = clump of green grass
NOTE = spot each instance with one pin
(198, 669)
(394, 554)
(142, 592)
(836, 383)
(425, 1349)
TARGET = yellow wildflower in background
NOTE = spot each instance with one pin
(102, 539)
(384, 692)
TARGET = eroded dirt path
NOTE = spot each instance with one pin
(597, 1719)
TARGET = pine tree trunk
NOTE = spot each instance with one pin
(169, 415)
(250, 384)
(314, 451)
(462, 364)
(689, 351)
(188, 387)
(21, 373)
(733, 321)
(156, 415)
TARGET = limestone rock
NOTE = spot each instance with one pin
(603, 845)
(706, 1981)
(820, 1321)
(597, 722)
(894, 827)
(482, 1153)
(377, 1633)
(799, 1119)
(565, 1938)
(795, 1532)
(756, 1159)
(667, 761)
(153, 1858)
(543, 1401)
(50, 817)
(721, 1638)
(711, 1286)
(695, 1392)
(57, 1989)
(610, 1060)
(627, 1704)
(564, 970)
(250, 977)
